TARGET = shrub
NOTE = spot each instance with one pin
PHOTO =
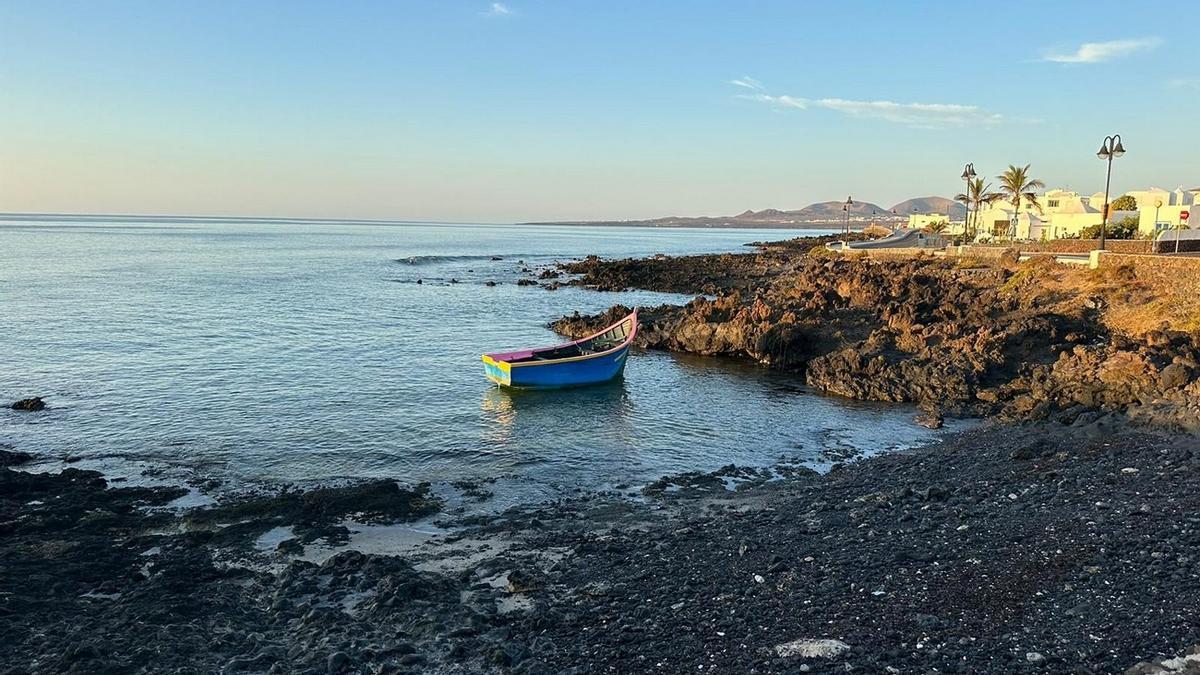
(1124, 203)
(1126, 228)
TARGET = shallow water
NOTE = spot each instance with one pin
(297, 351)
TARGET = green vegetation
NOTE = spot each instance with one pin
(1125, 228)
(822, 253)
(1124, 203)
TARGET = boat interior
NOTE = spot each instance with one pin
(613, 337)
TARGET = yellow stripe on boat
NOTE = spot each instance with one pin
(499, 372)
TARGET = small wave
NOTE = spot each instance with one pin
(434, 259)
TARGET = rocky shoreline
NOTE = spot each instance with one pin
(1061, 536)
(997, 338)
(1043, 547)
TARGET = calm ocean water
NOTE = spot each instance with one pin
(299, 351)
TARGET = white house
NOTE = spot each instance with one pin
(921, 221)
(1062, 213)
(1160, 210)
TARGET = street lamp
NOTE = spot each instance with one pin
(846, 215)
(1110, 148)
(1157, 206)
(967, 174)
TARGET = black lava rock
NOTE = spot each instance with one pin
(30, 404)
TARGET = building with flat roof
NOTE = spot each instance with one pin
(1159, 209)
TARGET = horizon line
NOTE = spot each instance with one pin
(280, 219)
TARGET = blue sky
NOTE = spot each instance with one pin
(543, 110)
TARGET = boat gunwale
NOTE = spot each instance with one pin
(632, 317)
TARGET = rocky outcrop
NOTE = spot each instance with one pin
(12, 457)
(984, 340)
(30, 404)
(707, 274)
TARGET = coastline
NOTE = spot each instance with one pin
(1041, 547)
(1057, 537)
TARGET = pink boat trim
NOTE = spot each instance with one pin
(525, 353)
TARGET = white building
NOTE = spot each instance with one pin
(1067, 214)
(1057, 214)
(1062, 214)
(1160, 210)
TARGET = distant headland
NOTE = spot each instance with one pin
(817, 215)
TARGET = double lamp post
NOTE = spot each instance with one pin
(1109, 149)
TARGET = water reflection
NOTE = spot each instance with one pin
(512, 415)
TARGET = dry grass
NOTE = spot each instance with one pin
(1135, 302)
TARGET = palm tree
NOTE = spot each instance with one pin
(977, 196)
(1015, 185)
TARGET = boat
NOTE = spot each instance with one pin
(593, 359)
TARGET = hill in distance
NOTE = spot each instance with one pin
(830, 211)
(929, 205)
(818, 215)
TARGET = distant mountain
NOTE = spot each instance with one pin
(820, 214)
(831, 211)
(929, 205)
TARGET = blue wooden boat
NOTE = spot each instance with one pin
(596, 358)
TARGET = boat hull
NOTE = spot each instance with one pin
(591, 360)
(555, 374)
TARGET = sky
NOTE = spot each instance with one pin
(525, 110)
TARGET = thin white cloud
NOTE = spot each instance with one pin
(748, 82)
(913, 114)
(926, 115)
(498, 9)
(776, 101)
(1098, 52)
(1184, 83)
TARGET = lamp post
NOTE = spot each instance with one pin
(1157, 206)
(1110, 148)
(967, 174)
(846, 216)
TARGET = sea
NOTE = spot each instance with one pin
(228, 353)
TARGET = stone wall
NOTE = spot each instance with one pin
(1172, 271)
(1087, 245)
(895, 253)
(976, 251)
(1079, 246)
(1185, 245)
